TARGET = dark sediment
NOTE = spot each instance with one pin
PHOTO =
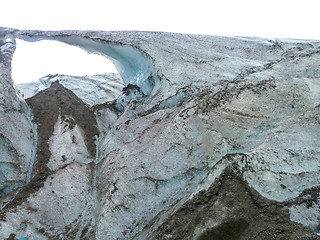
(46, 108)
(241, 213)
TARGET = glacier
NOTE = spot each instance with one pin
(199, 137)
(93, 90)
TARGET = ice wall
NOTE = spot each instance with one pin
(17, 137)
(230, 140)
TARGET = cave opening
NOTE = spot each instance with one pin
(35, 65)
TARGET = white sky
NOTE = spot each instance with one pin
(270, 19)
(32, 61)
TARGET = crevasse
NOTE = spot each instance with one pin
(33, 128)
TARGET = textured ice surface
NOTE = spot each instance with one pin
(307, 215)
(16, 135)
(29, 89)
(67, 145)
(58, 204)
(246, 105)
(92, 90)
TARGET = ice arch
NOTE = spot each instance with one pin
(134, 66)
(32, 61)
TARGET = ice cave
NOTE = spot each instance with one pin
(196, 138)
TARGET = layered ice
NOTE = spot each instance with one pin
(17, 138)
(229, 134)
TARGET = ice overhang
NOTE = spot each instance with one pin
(134, 65)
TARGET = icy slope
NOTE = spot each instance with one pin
(92, 90)
(60, 187)
(211, 138)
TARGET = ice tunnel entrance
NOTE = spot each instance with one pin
(36, 65)
(135, 67)
(31, 61)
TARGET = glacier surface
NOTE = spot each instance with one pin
(208, 138)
